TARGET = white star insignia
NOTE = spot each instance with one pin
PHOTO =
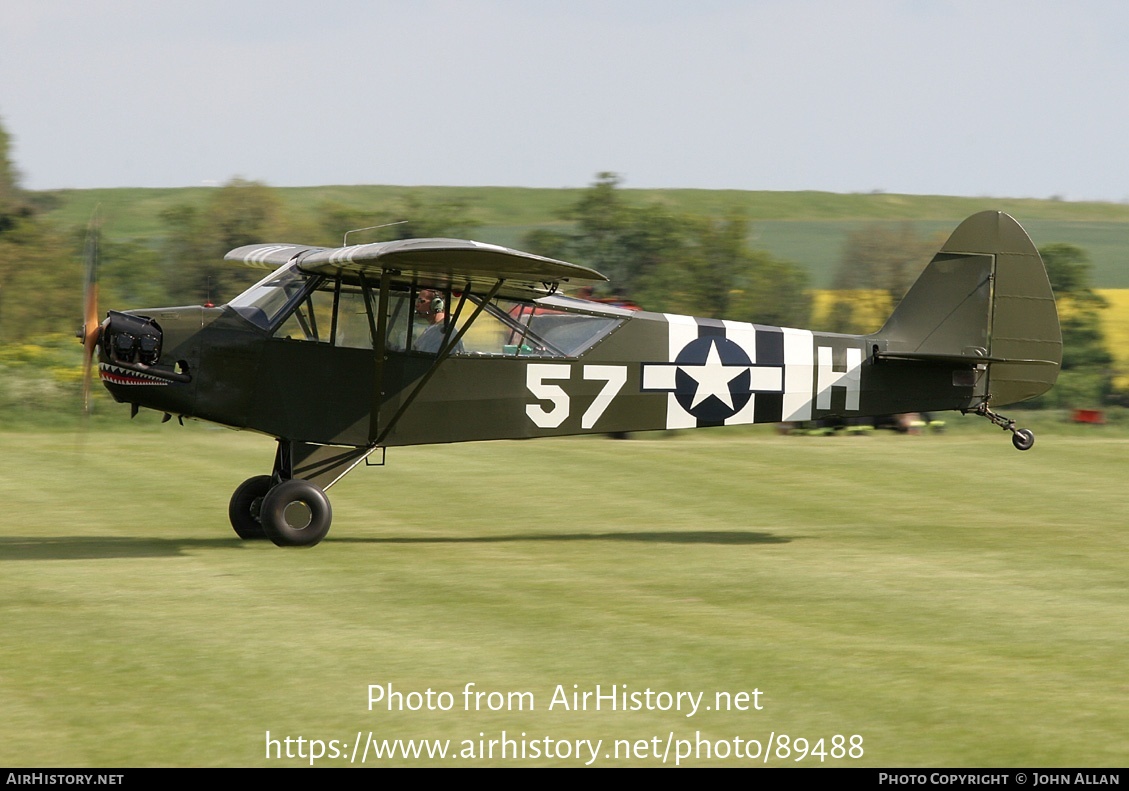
(713, 377)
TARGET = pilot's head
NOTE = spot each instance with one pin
(429, 303)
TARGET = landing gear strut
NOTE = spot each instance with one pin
(1021, 438)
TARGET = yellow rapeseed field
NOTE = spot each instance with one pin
(870, 306)
(1115, 324)
(873, 306)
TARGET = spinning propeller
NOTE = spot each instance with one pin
(91, 328)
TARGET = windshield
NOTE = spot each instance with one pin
(263, 302)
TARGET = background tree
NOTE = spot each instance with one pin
(1086, 378)
(197, 238)
(14, 203)
(878, 264)
(667, 261)
(247, 212)
(772, 291)
(40, 277)
(717, 274)
(409, 218)
(128, 275)
(420, 219)
(40, 282)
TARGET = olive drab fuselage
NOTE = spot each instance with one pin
(653, 371)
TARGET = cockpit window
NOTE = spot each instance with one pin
(422, 319)
(571, 332)
(503, 328)
(513, 328)
(263, 302)
(334, 312)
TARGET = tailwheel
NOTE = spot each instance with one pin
(296, 513)
(246, 506)
(1021, 438)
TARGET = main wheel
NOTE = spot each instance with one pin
(246, 505)
(296, 513)
(1023, 439)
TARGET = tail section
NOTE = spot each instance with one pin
(984, 298)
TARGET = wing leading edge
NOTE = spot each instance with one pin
(424, 262)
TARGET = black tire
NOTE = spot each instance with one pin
(1022, 439)
(296, 513)
(246, 505)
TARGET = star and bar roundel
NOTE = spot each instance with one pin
(731, 373)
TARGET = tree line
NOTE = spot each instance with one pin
(658, 258)
(676, 263)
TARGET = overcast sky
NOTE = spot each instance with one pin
(1008, 99)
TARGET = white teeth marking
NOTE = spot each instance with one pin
(123, 376)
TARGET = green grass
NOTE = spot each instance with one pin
(954, 602)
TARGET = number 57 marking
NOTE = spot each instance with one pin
(536, 376)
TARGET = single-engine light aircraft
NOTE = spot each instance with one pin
(342, 352)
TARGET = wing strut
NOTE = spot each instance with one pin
(379, 329)
(444, 353)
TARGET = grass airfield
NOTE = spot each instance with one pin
(948, 599)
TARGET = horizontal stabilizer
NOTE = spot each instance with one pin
(955, 358)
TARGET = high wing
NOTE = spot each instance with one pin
(426, 262)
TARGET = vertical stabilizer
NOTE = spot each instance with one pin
(984, 295)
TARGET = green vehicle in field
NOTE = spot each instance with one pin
(342, 352)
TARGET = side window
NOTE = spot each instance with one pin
(352, 320)
(513, 328)
(399, 314)
(418, 321)
(572, 333)
(489, 335)
(313, 318)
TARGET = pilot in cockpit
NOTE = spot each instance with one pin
(431, 308)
